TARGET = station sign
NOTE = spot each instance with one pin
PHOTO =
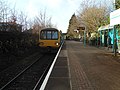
(115, 17)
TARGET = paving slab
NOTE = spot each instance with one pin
(92, 68)
(80, 67)
(58, 84)
(60, 78)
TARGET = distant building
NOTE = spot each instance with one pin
(10, 26)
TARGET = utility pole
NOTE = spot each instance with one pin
(115, 39)
(85, 36)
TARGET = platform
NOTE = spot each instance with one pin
(60, 76)
(80, 67)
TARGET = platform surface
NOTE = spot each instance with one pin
(80, 67)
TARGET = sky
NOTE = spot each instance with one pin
(60, 10)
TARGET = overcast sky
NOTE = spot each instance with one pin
(60, 10)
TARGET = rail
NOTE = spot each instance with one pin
(20, 73)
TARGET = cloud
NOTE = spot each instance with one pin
(74, 3)
(53, 3)
(31, 9)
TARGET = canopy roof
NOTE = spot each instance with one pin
(105, 27)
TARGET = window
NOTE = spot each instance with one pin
(43, 35)
(54, 35)
(49, 34)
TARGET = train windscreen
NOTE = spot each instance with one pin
(51, 35)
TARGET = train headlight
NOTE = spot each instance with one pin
(56, 43)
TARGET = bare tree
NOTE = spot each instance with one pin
(41, 21)
(3, 13)
(18, 18)
(22, 19)
(13, 15)
(3, 10)
(30, 24)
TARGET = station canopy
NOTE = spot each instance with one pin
(105, 27)
(115, 17)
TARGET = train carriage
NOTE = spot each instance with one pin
(50, 39)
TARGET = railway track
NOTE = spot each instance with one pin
(7, 74)
(31, 77)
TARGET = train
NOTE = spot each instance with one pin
(50, 39)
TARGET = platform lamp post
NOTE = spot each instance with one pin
(115, 39)
(115, 20)
(115, 42)
(84, 36)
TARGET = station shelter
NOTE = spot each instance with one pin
(107, 35)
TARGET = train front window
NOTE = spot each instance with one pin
(54, 35)
(49, 35)
(43, 35)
